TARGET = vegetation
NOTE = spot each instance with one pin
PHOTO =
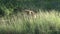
(44, 23)
(47, 20)
(8, 6)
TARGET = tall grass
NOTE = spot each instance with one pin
(44, 23)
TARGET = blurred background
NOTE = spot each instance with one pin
(8, 6)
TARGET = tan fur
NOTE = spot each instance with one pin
(30, 13)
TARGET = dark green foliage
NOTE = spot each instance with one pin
(1, 12)
(31, 4)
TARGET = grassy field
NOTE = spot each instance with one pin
(44, 23)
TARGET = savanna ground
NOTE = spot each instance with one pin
(44, 23)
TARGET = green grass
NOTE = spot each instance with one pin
(44, 23)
